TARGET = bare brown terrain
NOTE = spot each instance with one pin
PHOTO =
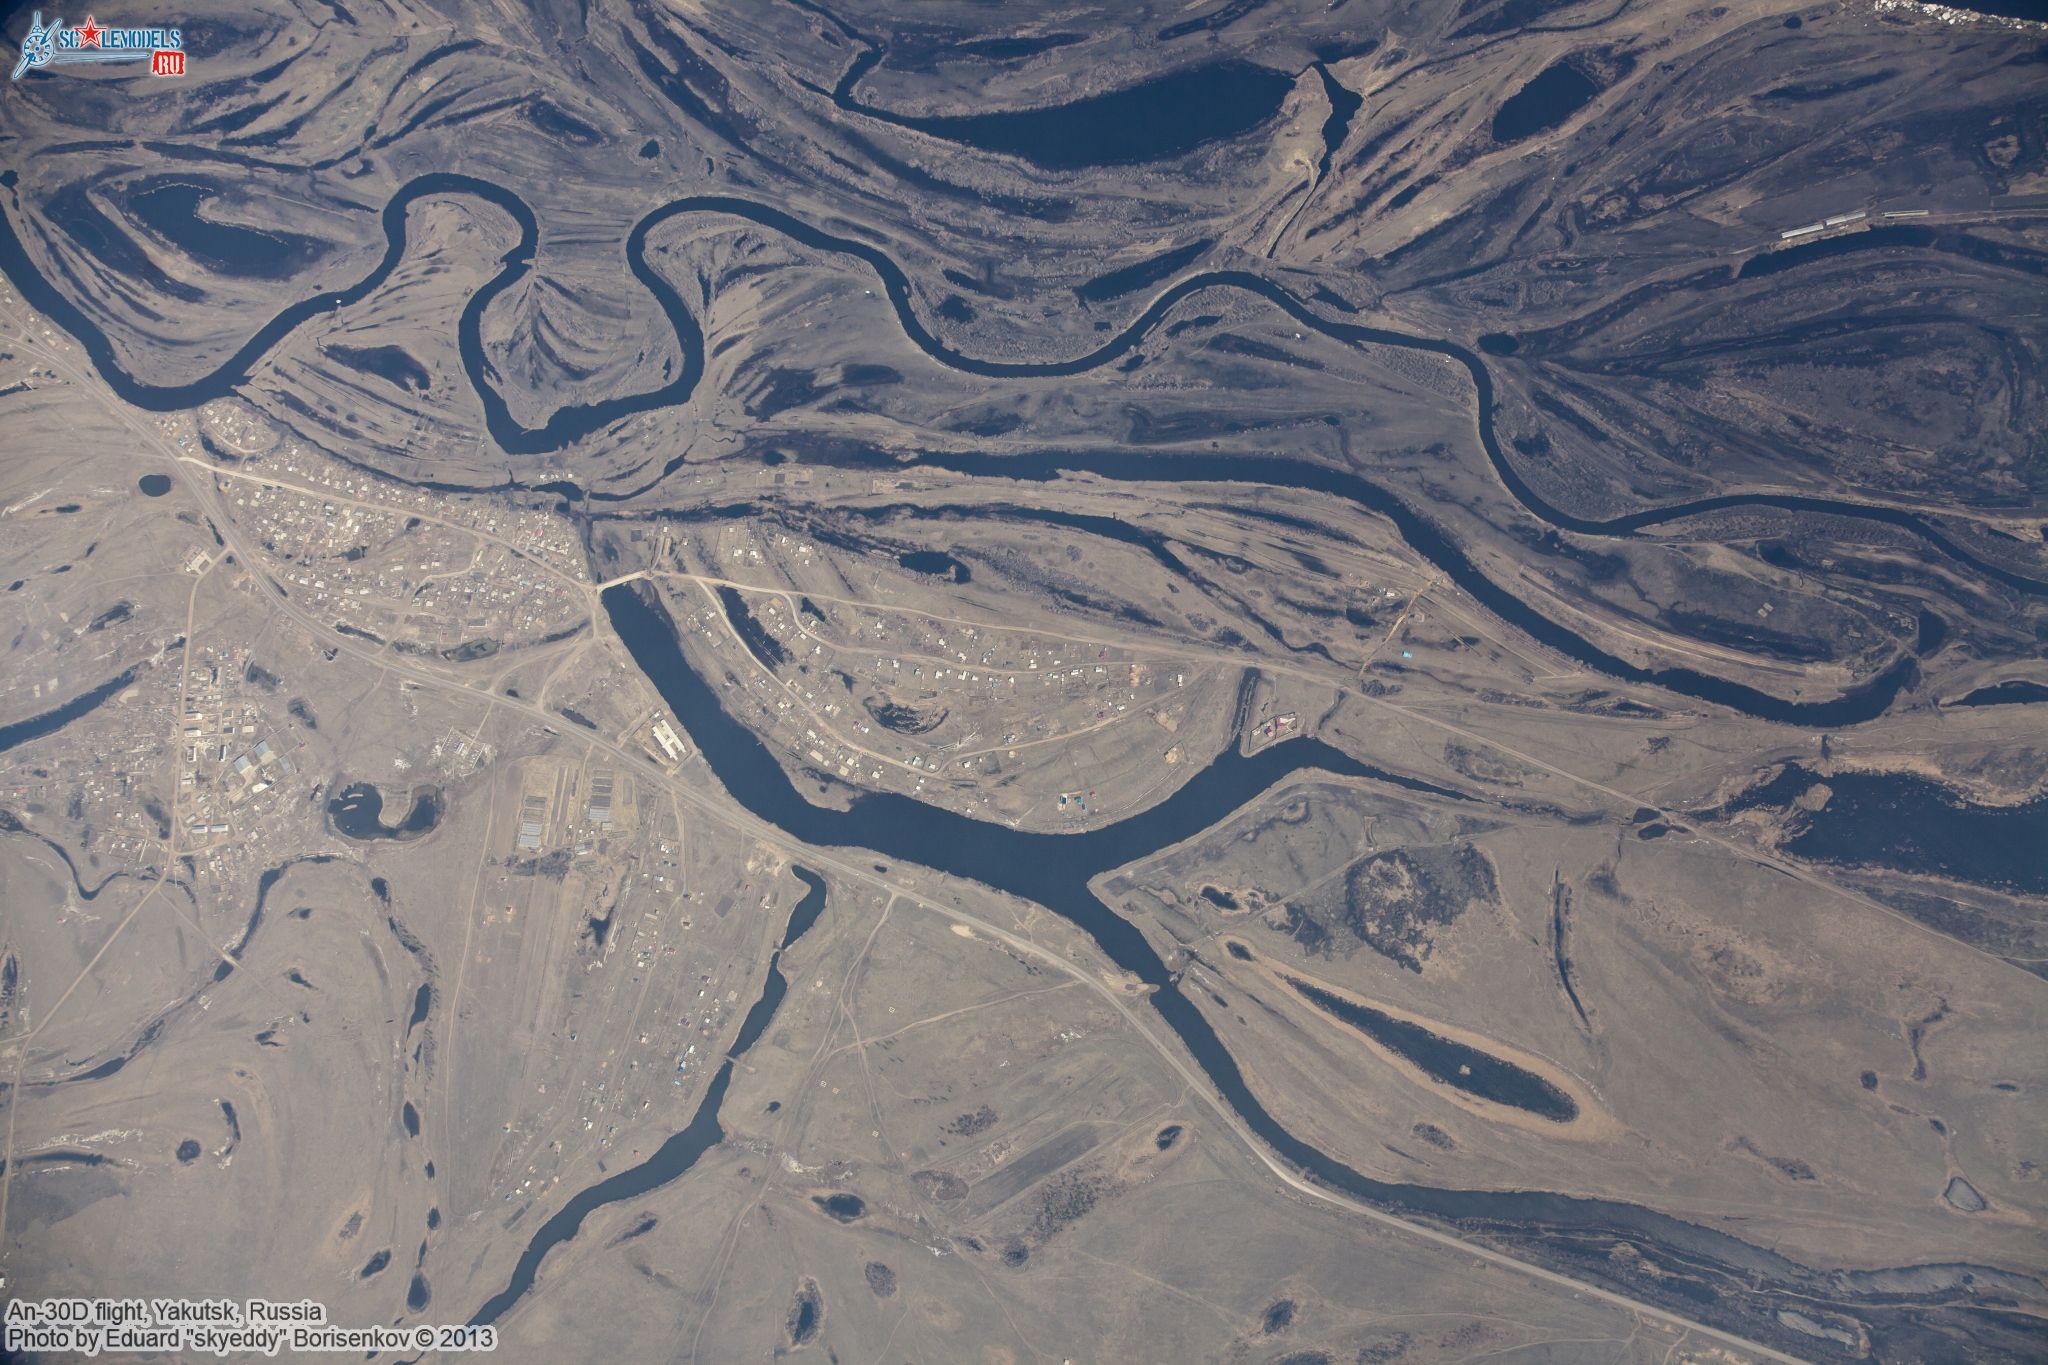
(1248, 682)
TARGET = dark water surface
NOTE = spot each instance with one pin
(1164, 117)
(1908, 823)
(1864, 702)
(573, 423)
(171, 209)
(1054, 870)
(2036, 10)
(1143, 274)
(2013, 691)
(1011, 49)
(1553, 96)
(35, 727)
(357, 812)
(1913, 824)
(1450, 1063)
(1700, 1266)
(935, 562)
(766, 649)
(1051, 870)
(682, 1149)
(1344, 105)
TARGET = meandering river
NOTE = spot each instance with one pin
(1055, 870)
(576, 422)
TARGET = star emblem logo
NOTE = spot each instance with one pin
(89, 33)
